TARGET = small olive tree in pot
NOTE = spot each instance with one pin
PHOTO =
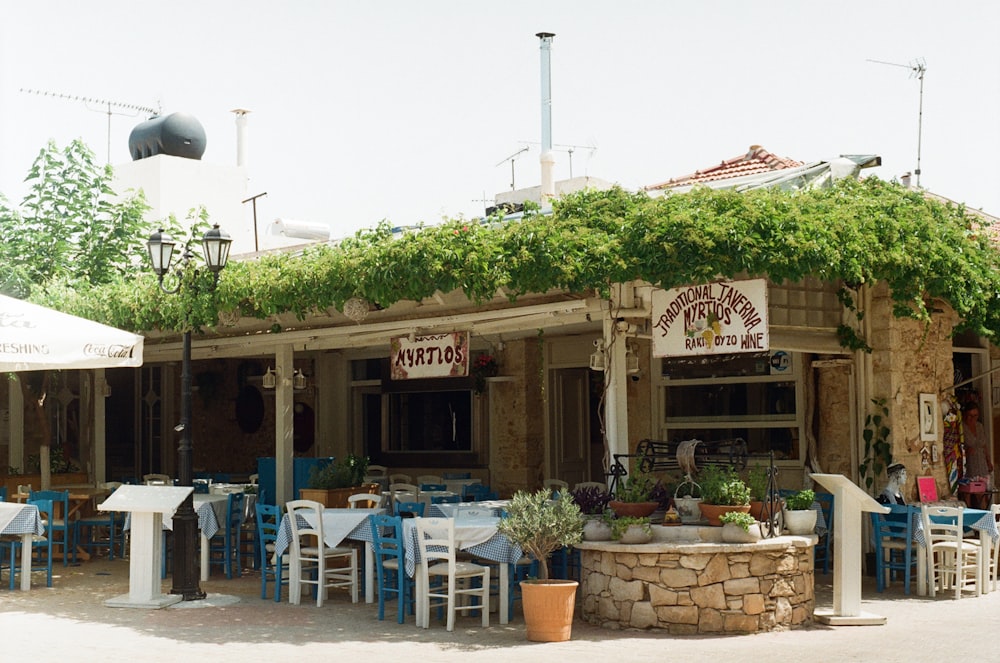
(540, 525)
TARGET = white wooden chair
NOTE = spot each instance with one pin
(600, 485)
(399, 477)
(429, 478)
(952, 560)
(306, 558)
(436, 538)
(157, 480)
(555, 486)
(364, 501)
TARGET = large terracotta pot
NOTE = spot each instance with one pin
(548, 609)
(711, 512)
(634, 509)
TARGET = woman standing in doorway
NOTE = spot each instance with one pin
(977, 452)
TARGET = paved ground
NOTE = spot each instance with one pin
(69, 622)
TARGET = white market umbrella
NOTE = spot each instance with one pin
(35, 338)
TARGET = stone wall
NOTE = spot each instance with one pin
(699, 588)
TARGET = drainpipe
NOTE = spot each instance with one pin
(547, 158)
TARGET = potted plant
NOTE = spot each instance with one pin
(631, 529)
(332, 484)
(634, 498)
(739, 527)
(722, 490)
(800, 518)
(687, 501)
(540, 525)
(593, 503)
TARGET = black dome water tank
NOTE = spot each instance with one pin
(177, 134)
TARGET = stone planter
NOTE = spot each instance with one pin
(636, 534)
(800, 522)
(595, 529)
(733, 533)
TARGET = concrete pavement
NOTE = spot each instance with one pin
(69, 622)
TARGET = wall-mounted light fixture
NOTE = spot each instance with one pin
(598, 362)
(299, 381)
(631, 359)
(269, 379)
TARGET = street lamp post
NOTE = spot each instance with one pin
(215, 244)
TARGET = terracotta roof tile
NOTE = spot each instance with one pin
(756, 160)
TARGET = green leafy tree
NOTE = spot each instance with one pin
(71, 227)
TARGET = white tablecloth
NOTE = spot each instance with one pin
(25, 521)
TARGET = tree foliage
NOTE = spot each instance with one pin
(70, 228)
(856, 231)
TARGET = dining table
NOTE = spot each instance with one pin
(981, 521)
(80, 496)
(480, 538)
(338, 525)
(449, 510)
(22, 520)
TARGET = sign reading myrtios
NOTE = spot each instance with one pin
(436, 356)
(713, 318)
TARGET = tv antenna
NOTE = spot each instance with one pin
(91, 104)
(917, 70)
(569, 149)
(511, 159)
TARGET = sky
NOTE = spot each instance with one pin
(408, 111)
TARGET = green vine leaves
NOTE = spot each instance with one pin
(856, 232)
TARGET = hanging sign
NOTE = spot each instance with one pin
(710, 319)
(436, 356)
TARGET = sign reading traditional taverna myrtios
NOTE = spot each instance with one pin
(712, 318)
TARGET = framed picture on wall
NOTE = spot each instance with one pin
(928, 418)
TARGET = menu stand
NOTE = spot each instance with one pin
(849, 503)
(147, 506)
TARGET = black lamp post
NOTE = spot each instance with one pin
(161, 252)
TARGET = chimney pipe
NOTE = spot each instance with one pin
(241, 136)
(547, 158)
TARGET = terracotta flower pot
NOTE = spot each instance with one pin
(634, 509)
(548, 609)
(711, 512)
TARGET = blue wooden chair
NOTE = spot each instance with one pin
(892, 536)
(391, 578)
(224, 548)
(3, 493)
(823, 547)
(271, 568)
(59, 524)
(100, 522)
(46, 508)
(433, 486)
(413, 508)
(456, 475)
(476, 492)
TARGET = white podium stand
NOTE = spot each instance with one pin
(147, 504)
(849, 503)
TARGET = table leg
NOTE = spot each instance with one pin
(418, 577)
(25, 562)
(921, 570)
(370, 573)
(985, 554)
(504, 591)
(204, 556)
